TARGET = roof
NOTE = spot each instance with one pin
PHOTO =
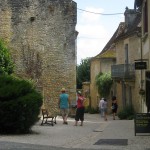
(110, 46)
(111, 42)
(110, 53)
(131, 29)
(109, 50)
(122, 32)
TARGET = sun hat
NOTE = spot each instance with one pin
(63, 90)
(79, 92)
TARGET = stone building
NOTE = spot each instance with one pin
(42, 37)
(143, 7)
(119, 57)
(102, 64)
(125, 76)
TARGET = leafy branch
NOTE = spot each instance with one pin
(6, 64)
(104, 83)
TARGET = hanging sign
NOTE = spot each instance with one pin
(140, 65)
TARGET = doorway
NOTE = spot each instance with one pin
(147, 90)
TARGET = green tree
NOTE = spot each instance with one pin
(83, 72)
(104, 83)
(6, 64)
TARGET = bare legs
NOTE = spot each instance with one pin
(105, 116)
(65, 115)
(81, 123)
(76, 123)
(114, 114)
(64, 120)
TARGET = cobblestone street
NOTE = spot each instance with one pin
(95, 134)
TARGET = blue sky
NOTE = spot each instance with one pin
(95, 30)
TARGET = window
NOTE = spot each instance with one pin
(126, 54)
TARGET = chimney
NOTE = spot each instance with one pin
(130, 15)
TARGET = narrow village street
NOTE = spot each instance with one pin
(65, 56)
(95, 134)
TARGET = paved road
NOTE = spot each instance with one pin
(95, 134)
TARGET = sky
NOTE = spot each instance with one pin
(95, 29)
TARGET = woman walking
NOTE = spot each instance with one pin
(64, 103)
(80, 109)
(114, 106)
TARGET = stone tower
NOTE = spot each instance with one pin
(42, 37)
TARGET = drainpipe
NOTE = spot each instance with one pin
(141, 59)
(126, 73)
(141, 51)
(123, 94)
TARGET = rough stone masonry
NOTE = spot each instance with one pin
(42, 38)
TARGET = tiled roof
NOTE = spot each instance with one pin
(109, 50)
(111, 42)
(109, 53)
(122, 31)
(132, 28)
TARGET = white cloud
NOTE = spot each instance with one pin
(92, 34)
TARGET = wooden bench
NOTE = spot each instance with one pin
(48, 119)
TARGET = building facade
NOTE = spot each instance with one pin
(124, 50)
(101, 64)
(128, 51)
(143, 6)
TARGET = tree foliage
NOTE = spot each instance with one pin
(83, 72)
(6, 65)
(104, 83)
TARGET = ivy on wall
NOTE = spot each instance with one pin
(6, 64)
(32, 62)
(104, 83)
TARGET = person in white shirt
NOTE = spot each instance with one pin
(105, 109)
(101, 107)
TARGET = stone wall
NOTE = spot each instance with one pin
(94, 69)
(42, 37)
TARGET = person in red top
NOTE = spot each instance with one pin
(80, 109)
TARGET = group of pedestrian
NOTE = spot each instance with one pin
(64, 104)
(103, 107)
